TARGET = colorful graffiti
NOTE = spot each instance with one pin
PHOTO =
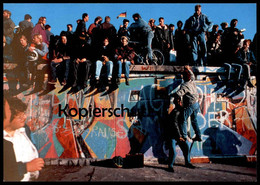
(228, 124)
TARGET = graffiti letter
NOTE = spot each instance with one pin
(103, 111)
(96, 112)
(123, 109)
(116, 115)
(76, 112)
(84, 115)
(110, 112)
(60, 110)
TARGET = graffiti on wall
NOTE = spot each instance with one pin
(228, 125)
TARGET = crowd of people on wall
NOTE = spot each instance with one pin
(100, 50)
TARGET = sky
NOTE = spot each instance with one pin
(60, 14)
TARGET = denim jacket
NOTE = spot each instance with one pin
(188, 91)
(245, 57)
(141, 24)
(190, 24)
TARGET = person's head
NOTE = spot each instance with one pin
(85, 17)
(125, 22)
(224, 25)
(220, 32)
(47, 27)
(246, 44)
(98, 20)
(124, 40)
(179, 24)
(215, 28)
(42, 20)
(161, 21)
(136, 16)
(151, 22)
(13, 113)
(186, 75)
(69, 27)
(7, 14)
(63, 39)
(107, 19)
(23, 41)
(37, 39)
(27, 17)
(233, 23)
(171, 27)
(105, 41)
(198, 9)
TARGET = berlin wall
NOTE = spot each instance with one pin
(100, 125)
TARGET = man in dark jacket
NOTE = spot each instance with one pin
(81, 57)
(26, 26)
(108, 30)
(81, 29)
(174, 135)
(230, 41)
(162, 40)
(123, 30)
(62, 59)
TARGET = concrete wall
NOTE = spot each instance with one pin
(228, 124)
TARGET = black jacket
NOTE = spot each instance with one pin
(162, 36)
(81, 27)
(13, 171)
(175, 120)
(107, 51)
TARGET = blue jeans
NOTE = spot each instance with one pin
(199, 50)
(192, 112)
(54, 66)
(172, 152)
(127, 70)
(149, 44)
(99, 65)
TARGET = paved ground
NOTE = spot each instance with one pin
(152, 171)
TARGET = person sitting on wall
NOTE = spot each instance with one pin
(124, 56)
(62, 59)
(24, 67)
(81, 57)
(247, 59)
(104, 59)
(42, 51)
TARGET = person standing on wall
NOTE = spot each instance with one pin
(196, 26)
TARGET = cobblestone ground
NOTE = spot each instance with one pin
(205, 172)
